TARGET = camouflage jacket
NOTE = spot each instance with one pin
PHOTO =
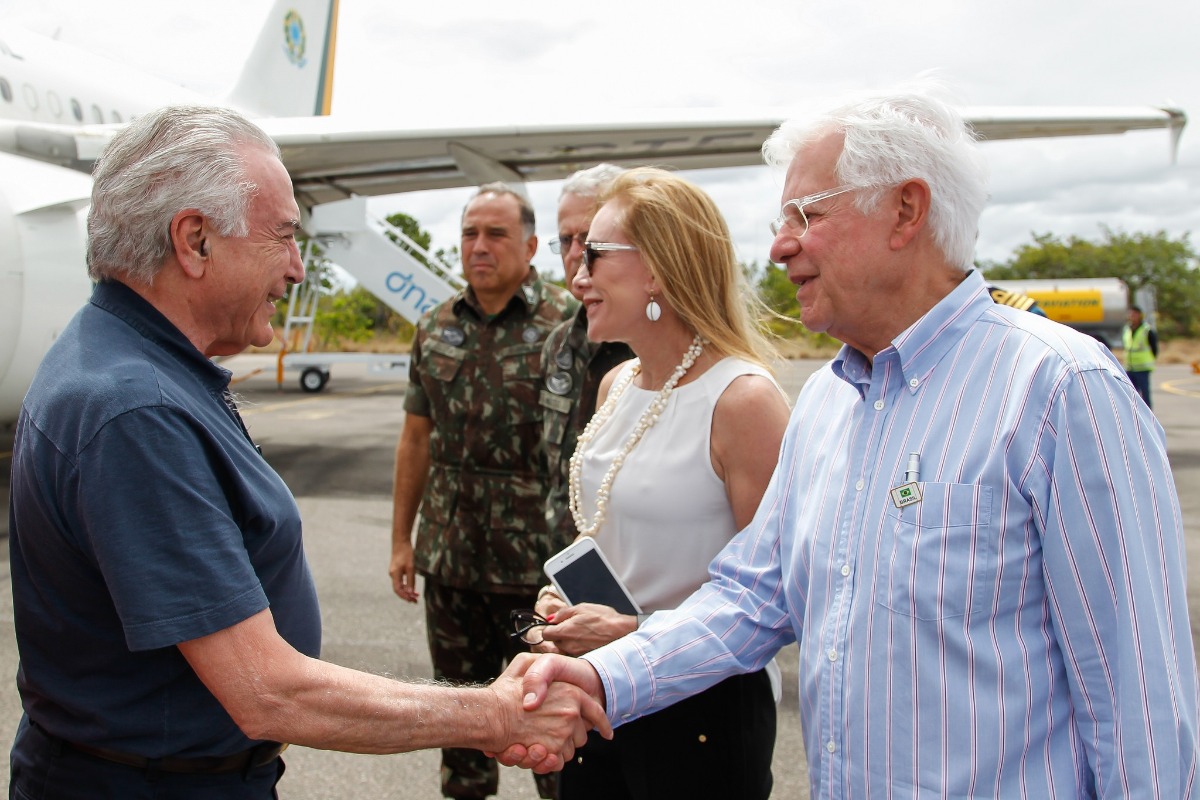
(572, 368)
(482, 524)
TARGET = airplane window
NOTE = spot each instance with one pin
(97, 114)
(76, 110)
(54, 104)
(5, 90)
(116, 116)
(31, 97)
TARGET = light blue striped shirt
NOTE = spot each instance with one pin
(1021, 631)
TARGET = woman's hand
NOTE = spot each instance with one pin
(580, 629)
(549, 603)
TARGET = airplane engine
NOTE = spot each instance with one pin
(43, 277)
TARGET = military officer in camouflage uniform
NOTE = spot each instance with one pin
(471, 457)
(572, 365)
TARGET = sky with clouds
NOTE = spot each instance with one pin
(486, 63)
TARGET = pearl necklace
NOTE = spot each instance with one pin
(648, 418)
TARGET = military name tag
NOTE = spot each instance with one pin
(906, 495)
(453, 336)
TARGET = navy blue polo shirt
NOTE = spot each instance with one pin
(141, 516)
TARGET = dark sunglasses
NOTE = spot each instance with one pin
(592, 251)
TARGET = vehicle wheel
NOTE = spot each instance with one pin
(313, 379)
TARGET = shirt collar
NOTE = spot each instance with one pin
(923, 344)
(140, 314)
(528, 296)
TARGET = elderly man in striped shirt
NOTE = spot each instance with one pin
(972, 531)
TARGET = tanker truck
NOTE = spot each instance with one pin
(1096, 306)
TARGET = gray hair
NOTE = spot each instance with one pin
(591, 182)
(172, 159)
(528, 221)
(897, 137)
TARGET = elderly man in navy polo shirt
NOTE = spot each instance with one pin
(166, 618)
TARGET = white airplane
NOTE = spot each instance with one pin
(59, 106)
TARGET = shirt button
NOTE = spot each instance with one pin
(879, 405)
(830, 746)
(845, 570)
(833, 655)
(913, 382)
(859, 485)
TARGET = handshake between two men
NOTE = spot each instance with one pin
(560, 699)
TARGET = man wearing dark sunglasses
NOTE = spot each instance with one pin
(572, 365)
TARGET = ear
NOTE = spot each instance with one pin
(530, 249)
(189, 241)
(912, 212)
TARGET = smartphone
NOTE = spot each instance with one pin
(581, 574)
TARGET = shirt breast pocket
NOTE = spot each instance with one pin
(938, 556)
(443, 361)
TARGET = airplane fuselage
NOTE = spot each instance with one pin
(42, 80)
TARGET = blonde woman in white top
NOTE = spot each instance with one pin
(673, 464)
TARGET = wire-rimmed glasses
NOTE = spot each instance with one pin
(562, 244)
(792, 216)
(527, 625)
(592, 251)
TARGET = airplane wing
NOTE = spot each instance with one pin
(331, 159)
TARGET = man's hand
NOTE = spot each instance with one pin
(404, 574)
(545, 726)
(412, 474)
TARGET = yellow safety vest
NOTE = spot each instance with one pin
(1138, 355)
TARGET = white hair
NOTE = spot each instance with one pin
(891, 138)
(172, 159)
(591, 182)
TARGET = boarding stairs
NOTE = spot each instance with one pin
(384, 260)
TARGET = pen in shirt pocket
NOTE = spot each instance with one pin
(909, 492)
(912, 474)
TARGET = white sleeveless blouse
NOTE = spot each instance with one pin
(668, 512)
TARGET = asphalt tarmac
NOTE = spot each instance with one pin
(336, 450)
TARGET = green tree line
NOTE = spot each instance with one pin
(1168, 265)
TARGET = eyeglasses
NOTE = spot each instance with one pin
(792, 216)
(592, 251)
(562, 244)
(527, 625)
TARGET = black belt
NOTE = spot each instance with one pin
(257, 756)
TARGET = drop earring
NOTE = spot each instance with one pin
(653, 309)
